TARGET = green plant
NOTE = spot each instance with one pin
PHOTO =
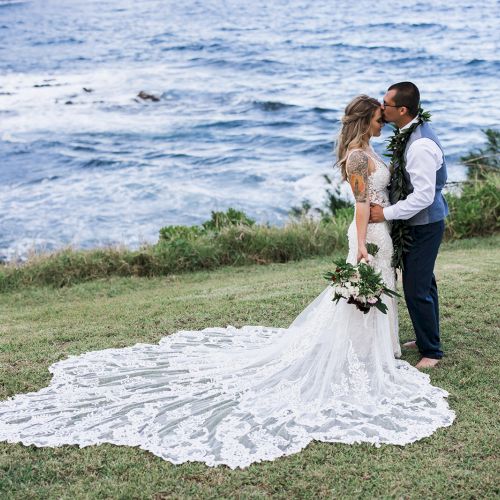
(171, 233)
(231, 217)
(484, 160)
(475, 211)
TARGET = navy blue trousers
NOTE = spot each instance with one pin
(420, 289)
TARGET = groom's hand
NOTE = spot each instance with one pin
(376, 213)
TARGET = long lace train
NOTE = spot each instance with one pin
(237, 396)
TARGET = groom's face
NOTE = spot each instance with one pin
(392, 113)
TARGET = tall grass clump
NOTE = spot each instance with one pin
(475, 211)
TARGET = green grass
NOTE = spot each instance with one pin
(39, 326)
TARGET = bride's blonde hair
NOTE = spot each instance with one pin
(355, 127)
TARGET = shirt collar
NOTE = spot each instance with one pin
(409, 124)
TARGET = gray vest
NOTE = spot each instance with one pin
(438, 209)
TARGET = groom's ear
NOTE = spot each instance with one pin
(404, 111)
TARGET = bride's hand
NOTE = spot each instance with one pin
(362, 253)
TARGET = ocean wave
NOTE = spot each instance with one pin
(57, 41)
(321, 110)
(271, 105)
(482, 62)
(98, 163)
(11, 3)
(416, 60)
(366, 47)
(223, 124)
(43, 179)
(195, 47)
(406, 25)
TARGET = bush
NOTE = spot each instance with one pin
(229, 218)
(475, 212)
(217, 222)
(171, 233)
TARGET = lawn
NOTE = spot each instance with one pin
(39, 326)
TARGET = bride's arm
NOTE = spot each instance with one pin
(357, 175)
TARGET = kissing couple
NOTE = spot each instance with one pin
(237, 396)
(417, 207)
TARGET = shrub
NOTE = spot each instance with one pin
(171, 233)
(475, 212)
(217, 222)
(231, 217)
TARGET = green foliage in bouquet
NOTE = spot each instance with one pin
(361, 285)
(372, 249)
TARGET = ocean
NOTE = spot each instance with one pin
(250, 95)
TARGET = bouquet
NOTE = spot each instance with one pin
(360, 285)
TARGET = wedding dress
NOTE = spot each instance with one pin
(236, 396)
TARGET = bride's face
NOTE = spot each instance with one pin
(376, 123)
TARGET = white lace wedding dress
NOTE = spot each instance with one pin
(236, 396)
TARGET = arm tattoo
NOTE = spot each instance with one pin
(357, 171)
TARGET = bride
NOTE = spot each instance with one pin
(238, 396)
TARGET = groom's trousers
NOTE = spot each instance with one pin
(420, 289)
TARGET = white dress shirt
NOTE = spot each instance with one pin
(423, 159)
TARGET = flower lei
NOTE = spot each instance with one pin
(400, 233)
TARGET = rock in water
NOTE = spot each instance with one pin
(147, 97)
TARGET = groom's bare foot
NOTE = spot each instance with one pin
(410, 345)
(427, 363)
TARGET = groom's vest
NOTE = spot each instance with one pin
(438, 209)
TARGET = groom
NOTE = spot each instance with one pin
(424, 209)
